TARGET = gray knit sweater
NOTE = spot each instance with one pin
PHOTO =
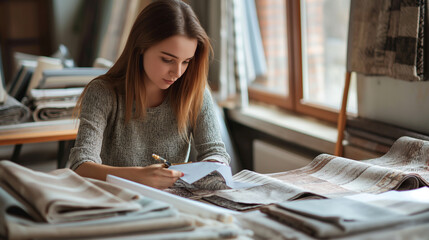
(103, 137)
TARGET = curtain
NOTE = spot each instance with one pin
(386, 38)
(120, 16)
(239, 57)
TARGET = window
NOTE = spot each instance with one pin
(305, 46)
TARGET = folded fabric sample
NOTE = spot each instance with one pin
(16, 223)
(265, 227)
(12, 111)
(325, 218)
(54, 110)
(266, 190)
(63, 196)
(55, 93)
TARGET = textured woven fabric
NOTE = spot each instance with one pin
(328, 176)
(386, 38)
(339, 217)
(12, 111)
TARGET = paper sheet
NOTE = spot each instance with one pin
(195, 171)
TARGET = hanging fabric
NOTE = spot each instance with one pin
(386, 38)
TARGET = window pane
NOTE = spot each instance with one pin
(272, 21)
(324, 44)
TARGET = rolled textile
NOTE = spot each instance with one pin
(12, 111)
(54, 110)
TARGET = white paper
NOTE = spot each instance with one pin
(195, 171)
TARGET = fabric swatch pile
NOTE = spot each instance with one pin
(61, 204)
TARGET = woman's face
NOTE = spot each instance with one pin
(166, 61)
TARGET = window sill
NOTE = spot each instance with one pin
(302, 130)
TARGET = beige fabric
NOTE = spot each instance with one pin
(47, 231)
(327, 176)
(403, 167)
(62, 195)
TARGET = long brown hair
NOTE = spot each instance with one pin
(160, 20)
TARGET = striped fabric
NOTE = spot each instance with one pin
(404, 167)
(386, 38)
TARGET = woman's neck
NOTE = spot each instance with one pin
(155, 97)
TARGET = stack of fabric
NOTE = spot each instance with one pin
(61, 204)
(328, 218)
(54, 94)
(12, 111)
(342, 218)
(54, 104)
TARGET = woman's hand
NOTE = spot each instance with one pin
(156, 176)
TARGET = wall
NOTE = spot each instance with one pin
(401, 103)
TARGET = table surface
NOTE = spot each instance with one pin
(34, 132)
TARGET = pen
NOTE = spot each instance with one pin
(166, 163)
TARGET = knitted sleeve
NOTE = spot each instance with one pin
(97, 105)
(207, 135)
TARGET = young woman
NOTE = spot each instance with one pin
(154, 99)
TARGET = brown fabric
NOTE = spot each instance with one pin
(62, 195)
(386, 38)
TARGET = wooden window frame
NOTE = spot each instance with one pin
(294, 100)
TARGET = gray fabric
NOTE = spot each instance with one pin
(386, 38)
(103, 137)
(54, 110)
(400, 232)
(338, 211)
(269, 191)
(12, 111)
(338, 217)
(21, 227)
(267, 228)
